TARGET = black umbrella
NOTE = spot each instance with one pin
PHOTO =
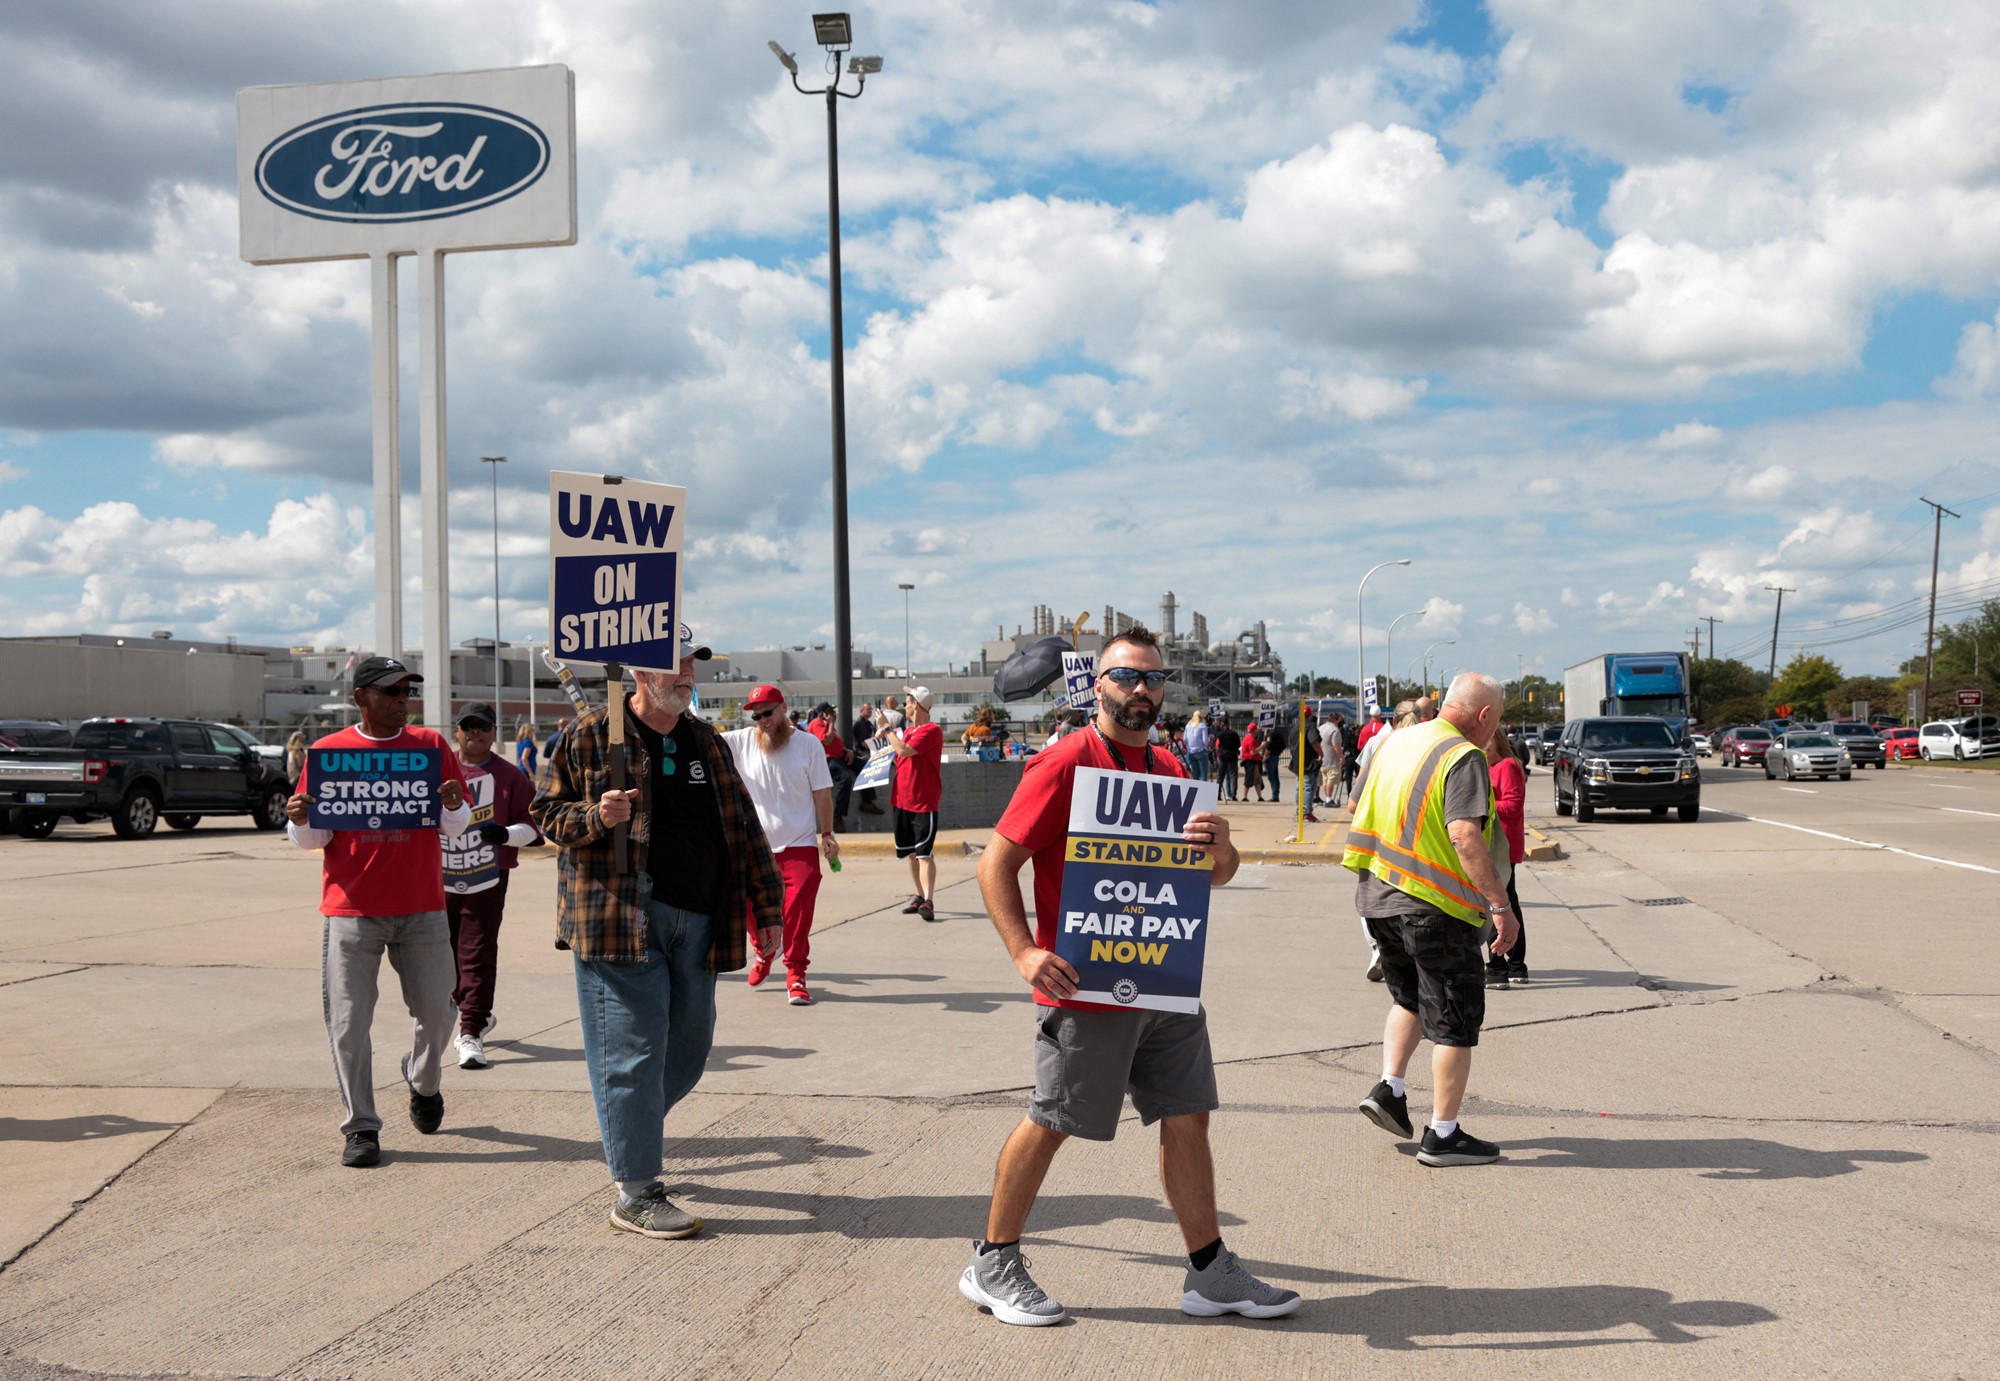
(1031, 670)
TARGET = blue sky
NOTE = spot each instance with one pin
(1608, 318)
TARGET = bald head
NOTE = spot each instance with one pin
(1472, 705)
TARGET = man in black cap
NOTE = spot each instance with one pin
(383, 893)
(476, 867)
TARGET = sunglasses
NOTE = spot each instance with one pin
(473, 726)
(668, 748)
(393, 692)
(763, 714)
(1128, 677)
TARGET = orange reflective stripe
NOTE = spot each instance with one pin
(1420, 790)
(1452, 884)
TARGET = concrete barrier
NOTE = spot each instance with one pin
(974, 795)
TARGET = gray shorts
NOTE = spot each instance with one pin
(1086, 1062)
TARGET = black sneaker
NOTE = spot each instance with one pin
(1496, 978)
(916, 905)
(426, 1111)
(1460, 1148)
(1517, 978)
(1388, 1111)
(925, 910)
(362, 1150)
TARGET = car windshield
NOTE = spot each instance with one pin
(1756, 735)
(1810, 741)
(122, 738)
(1599, 737)
(1852, 731)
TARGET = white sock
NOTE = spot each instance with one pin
(1395, 1084)
(1444, 1129)
(630, 1190)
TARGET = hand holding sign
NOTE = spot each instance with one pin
(1048, 974)
(452, 793)
(615, 807)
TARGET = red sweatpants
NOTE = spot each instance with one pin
(799, 867)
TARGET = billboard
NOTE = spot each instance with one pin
(407, 165)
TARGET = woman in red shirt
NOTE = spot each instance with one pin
(1252, 756)
(1510, 804)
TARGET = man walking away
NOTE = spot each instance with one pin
(1088, 1056)
(649, 940)
(477, 865)
(787, 776)
(919, 785)
(382, 892)
(1421, 840)
(1227, 744)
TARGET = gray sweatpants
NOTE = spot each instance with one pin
(419, 950)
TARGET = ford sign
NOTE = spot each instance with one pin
(396, 163)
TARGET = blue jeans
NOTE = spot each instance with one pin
(647, 1029)
(1225, 775)
(1198, 765)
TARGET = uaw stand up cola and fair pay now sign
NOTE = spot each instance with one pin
(1134, 921)
(615, 569)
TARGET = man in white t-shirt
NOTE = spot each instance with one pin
(789, 784)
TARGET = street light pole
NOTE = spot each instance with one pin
(906, 587)
(834, 33)
(1388, 655)
(496, 462)
(1361, 632)
(1441, 642)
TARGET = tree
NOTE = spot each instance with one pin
(1727, 691)
(1878, 692)
(1803, 684)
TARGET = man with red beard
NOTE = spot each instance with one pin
(792, 788)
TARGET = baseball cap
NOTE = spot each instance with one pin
(763, 695)
(378, 671)
(691, 648)
(478, 710)
(824, 707)
(920, 694)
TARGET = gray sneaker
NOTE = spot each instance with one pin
(653, 1214)
(1226, 1287)
(999, 1280)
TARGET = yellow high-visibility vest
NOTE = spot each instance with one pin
(1399, 832)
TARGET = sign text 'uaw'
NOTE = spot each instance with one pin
(615, 569)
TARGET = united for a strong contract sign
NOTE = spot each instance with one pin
(373, 788)
(1134, 921)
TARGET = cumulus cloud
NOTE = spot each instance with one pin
(1532, 621)
(1976, 367)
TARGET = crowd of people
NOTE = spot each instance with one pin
(705, 859)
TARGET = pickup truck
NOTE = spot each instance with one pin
(138, 772)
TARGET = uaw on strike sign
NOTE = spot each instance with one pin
(615, 569)
(1134, 918)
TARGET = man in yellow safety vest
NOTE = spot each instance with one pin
(1421, 841)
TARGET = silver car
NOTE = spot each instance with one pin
(1807, 753)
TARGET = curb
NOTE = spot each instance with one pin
(851, 847)
(1543, 850)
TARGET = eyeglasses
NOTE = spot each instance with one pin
(1129, 677)
(763, 714)
(473, 726)
(668, 748)
(393, 692)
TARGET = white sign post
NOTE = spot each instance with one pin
(401, 166)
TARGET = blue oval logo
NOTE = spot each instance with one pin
(397, 163)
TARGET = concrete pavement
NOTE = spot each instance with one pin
(1750, 1108)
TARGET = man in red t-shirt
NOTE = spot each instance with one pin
(383, 893)
(919, 784)
(1087, 1055)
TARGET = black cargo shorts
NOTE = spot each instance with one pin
(1432, 966)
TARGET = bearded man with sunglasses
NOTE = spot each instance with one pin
(649, 939)
(1088, 1056)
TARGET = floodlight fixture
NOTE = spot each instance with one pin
(833, 30)
(790, 63)
(864, 67)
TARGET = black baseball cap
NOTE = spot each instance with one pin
(478, 711)
(378, 671)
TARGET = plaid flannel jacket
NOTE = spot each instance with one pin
(597, 908)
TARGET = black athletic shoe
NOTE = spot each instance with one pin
(426, 1113)
(362, 1150)
(1496, 978)
(916, 905)
(1388, 1111)
(1460, 1148)
(927, 911)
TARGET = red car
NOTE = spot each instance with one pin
(1745, 747)
(1899, 743)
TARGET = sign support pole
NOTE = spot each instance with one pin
(436, 535)
(388, 460)
(614, 710)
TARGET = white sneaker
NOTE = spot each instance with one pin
(471, 1053)
(487, 1029)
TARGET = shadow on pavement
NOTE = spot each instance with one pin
(819, 977)
(1394, 1319)
(1719, 1158)
(976, 1004)
(1611, 978)
(90, 1127)
(725, 1059)
(920, 1217)
(737, 1155)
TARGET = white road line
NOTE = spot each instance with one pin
(1957, 810)
(1947, 786)
(1863, 843)
(1802, 790)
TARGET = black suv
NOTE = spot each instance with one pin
(1627, 762)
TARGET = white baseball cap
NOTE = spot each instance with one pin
(920, 694)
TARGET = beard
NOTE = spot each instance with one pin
(1133, 713)
(774, 733)
(661, 693)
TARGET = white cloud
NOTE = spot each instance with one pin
(1532, 621)
(1975, 370)
(1771, 482)
(1687, 436)
(11, 471)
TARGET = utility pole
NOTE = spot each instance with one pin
(1782, 591)
(1930, 625)
(1696, 644)
(1711, 620)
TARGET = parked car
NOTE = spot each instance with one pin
(33, 733)
(1975, 736)
(1746, 744)
(1899, 743)
(138, 772)
(1862, 743)
(1807, 753)
(1626, 762)
(1700, 742)
(1879, 722)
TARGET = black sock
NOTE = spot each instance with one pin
(1202, 1259)
(985, 1248)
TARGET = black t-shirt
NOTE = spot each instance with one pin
(1228, 744)
(685, 852)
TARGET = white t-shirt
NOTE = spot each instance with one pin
(781, 784)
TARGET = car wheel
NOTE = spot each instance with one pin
(36, 824)
(183, 822)
(270, 812)
(1958, 751)
(1769, 773)
(1690, 814)
(1562, 806)
(1584, 810)
(137, 815)
(1847, 776)
(1924, 753)
(1728, 761)
(1882, 766)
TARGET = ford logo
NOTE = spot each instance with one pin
(397, 163)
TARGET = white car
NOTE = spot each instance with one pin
(1699, 742)
(1974, 736)
(1807, 753)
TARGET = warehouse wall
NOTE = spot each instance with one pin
(66, 682)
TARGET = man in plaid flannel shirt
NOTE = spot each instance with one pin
(649, 941)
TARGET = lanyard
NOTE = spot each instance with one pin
(1118, 758)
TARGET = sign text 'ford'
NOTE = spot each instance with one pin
(396, 163)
